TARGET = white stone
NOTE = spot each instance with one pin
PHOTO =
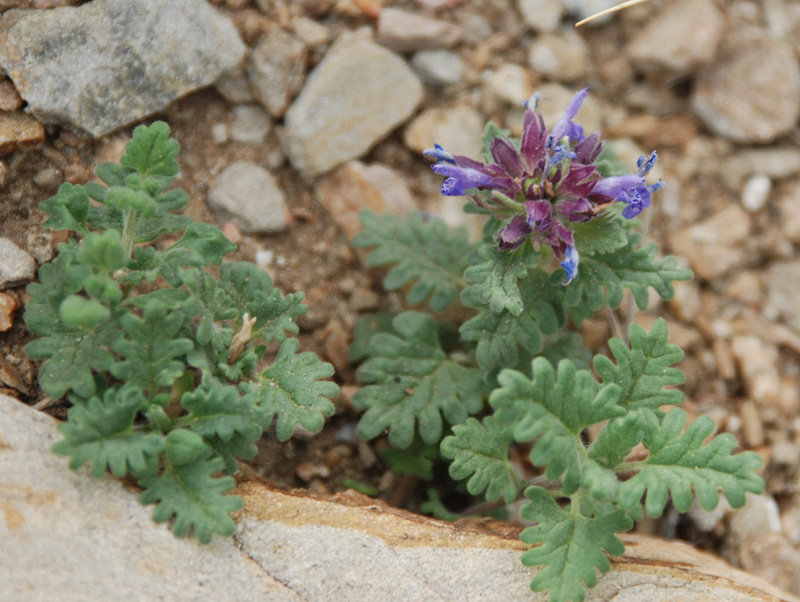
(16, 266)
(439, 67)
(250, 197)
(458, 128)
(541, 16)
(756, 192)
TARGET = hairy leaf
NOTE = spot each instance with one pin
(68, 209)
(252, 292)
(496, 280)
(422, 252)
(416, 460)
(644, 369)
(101, 432)
(573, 545)
(194, 497)
(414, 381)
(290, 388)
(678, 462)
(480, 451)
(501, 336)
(151, 151)
(603, 234)
(603, 277)
(365, 328)
(151, 348)
(555, 409)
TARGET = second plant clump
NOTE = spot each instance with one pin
(553, 196)
(158, 348)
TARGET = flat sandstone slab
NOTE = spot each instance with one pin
(65, 536)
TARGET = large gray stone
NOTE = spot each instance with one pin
(107, 63)
(357, 95)
(68, 537)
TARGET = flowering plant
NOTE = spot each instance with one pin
(515, 365)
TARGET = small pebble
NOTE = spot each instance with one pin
(77, 174)
(439, 68)
(19, 131)
(48, 177)
(8, 304)
(249, 196)
(756, 192)
(308, 470)
(406, 31)
(10, 99)
(40, 245)
(232, 232)
(311, 33)
(16, 266)
(264, 258)
(234, 86)
(250, 124)
(220, 133)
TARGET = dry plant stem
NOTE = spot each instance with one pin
(241, 338)
(43, 403)
(608, 11)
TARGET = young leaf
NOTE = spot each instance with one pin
(190, 493)
(617, 439)
(151, 347)
(414, 381)
(496, 280)
(678, 462)
(101, 432)
(572, 547)
(556, 409)
(603, 234)
(423, 252)
(291, 388)
(502, 335)
(644, 369)
(224, 413)
(252, 292)
(603, 277)
(480, 451)
(365, 328)
(151, 151)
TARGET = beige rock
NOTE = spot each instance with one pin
(405, 31)
(561, 57)
(8, 304)
(19, 131)
(10, 100)
(458, 128)
(86, 540)
(355, 186)
(758, 366)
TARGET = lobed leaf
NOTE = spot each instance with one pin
(603, 277)
(644, 369)
(414, 382)
(555, 409)
(68, 209)
(422, 252)
(572, 546)
(151, 151)
(678, 462)
(101, 432)
(496, 280)
(290, 388)
(480, 451)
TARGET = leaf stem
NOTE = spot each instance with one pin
(634, 466)
(131, 220)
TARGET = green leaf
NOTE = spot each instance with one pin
(435, 507)
(152, 152)
(502, 336)
(290, 388)
(365, 328)
(151, 347)
(644, 369)
(207, 241)
(149, 229)
(102, 433)
(603, 234)
(556, 410)
(416, 460)
(222, 412)
(414, 381)
(480, 451)
(104, 252)
(573, 545)
(603, 277)
(253, 292)
(211, 303)
(68, 209)
(423, 252)
(617, 439)
(496, 279)
(678, 462)
(190, 493)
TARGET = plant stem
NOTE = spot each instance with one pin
(130, 220)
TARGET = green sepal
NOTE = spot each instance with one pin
(291, 389)
(422, 252)
(414, 381)
(101, 432)
(572, 545)
(678, 462)
(479, 450)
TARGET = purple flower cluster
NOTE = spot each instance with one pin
(548, 183)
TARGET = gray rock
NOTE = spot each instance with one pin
(439, 68)
(783, 282)
(16, 266)
(663, 46)
(310, 32)
(277, 69)
(249, 196)
(511, 84)
(542, 16)
(559, 57)
(776, 162)
(250, 124)
(404, 31)
(752, 92)
(357, 95)
(108, 63)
